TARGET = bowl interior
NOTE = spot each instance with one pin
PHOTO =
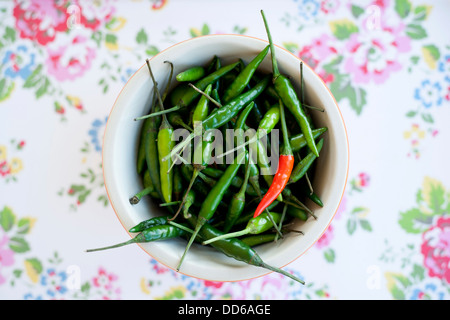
(120, 150)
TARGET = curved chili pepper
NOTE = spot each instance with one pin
(220, 116)
(237, 203)
(165, 145)
(213, 200)
(255, 225)
(300, 169)
(191, 74)
(155, 221)
(287, 94)
(190, 94)
(154, 233)
(237, 249)
(258, 239)
(243, 78)
(285, 166)
(205, 146)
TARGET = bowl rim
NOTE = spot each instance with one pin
(342, 122)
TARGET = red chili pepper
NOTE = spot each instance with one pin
(285, 166)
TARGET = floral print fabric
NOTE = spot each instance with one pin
(63, 62)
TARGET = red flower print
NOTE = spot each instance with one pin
(214, 284)
(95, 14)
(71, 60)
(40, 20)
(436, 249)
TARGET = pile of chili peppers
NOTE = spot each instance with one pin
(231, 207)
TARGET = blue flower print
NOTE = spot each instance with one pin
(19, 63)
(428, 291)
(128, 72)
(96, 133)
(54, 282)
(308, 9)
(429, 94)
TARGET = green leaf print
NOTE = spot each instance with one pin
(18, 244)
(397, 285)
(421, 12)
(403, 8)
(415, 31)
(342, 29)
(7, 219)
(415, 221)
(142, 37)
(433, 194)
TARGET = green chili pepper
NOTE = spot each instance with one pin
(297, 213)
(287, 94)
(176, 120)
(256, 225)
(204, 147)
(237, 203)
(237, 249)
(300, 168)
(138, 196)
(141, 162)
(165, 145)
(151, 150)
(258, 239)
(213, 200)
(220, 116)
(190, 94)
(270, 119)
(191, 74)
(155, 221)
(154, 233)
(149, 189)
(245, 217)
(298, 141)
(237, 180)
(201, 110)
(177, 184)
(189, 201)
(243, 78)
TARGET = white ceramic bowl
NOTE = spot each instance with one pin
(120, 150)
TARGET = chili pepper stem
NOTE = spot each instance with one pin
(191, 183)
(138, 196)
(275, 71)
(191, 240)
(235, 234)
(154, 114)
(113, 246)
(180, 226)
(169, 203)
(281, 220)
(206, 95)
(283, 272)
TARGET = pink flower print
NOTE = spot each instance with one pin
(325, 239)
(317, 52)
(40, 20)
(436, 249)
(373, 54)
(329, 6)
(6, 256)
(104, 280)
(95, 14)
(71, 61)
